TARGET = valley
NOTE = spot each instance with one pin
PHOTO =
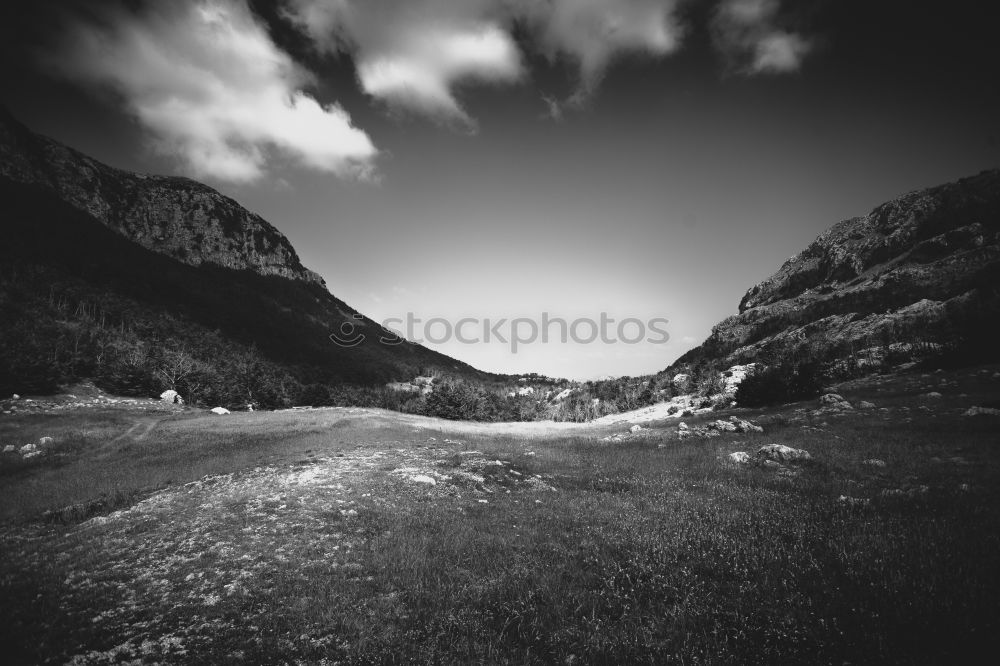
(353, 535)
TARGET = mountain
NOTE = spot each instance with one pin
(147, 282)
(920, 273)
(177, 217)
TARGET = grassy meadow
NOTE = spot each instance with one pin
(360, 536)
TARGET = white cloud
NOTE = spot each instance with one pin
(208, 82)
(592, 33)
(413, 54)
(747, 34)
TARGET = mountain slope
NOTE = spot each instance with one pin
(177, 217)
(124, 296)
(922, 269)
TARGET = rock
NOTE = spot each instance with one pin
(45, 440)
(933, 395)
(680, 380)
(31, 454)
(634, 429)
(423, 478)
(873, 462)
(864, 404)
(219, 410)
(682, 426)
(743, 425)
(781, 453)
(15, 397)
(982, 411)
(10, 448)
(172, 397)
(852, 501)
(28, 448)
(739, 457)
(722, 426)
(834, 401)
(403, 387)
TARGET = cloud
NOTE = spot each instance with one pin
(592, 33)
(747, 34)
(205, 78)
(412, 55)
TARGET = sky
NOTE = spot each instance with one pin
(514, 159)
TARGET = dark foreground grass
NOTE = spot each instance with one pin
(641, 554)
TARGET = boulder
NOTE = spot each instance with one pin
(10, 448)
(15, 397)
(831, 399)
(634, 429)
(423, 478)
(170, 396)
(874, 462)
(722, 426)
(982, 411)
(742, 425)
(45, 440)
(933, 395)
(864, 404)
(834, 401)
(28, 448)
(739, 457)
(219, 410)
(781, 454)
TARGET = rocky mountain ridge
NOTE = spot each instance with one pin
(923, 268)
(177, 217)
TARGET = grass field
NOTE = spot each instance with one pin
(363, 536)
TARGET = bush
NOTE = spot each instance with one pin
(779, 384)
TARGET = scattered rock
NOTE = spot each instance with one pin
(874, 462)
(982, 411)
(780, 453)
(739, 457)
(219, 410)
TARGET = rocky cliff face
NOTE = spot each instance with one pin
(924, 267)
(177, 217)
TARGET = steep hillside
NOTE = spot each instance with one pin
(131, 298)
(921, 271)
(177, 217)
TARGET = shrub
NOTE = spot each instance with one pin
(778, 384)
